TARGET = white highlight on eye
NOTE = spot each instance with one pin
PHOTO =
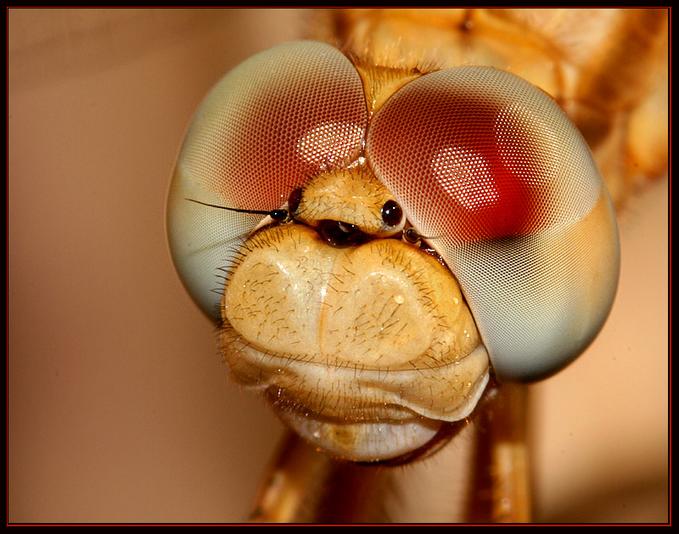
(466, 176)
(329, 142)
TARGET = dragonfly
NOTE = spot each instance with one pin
(366, 93)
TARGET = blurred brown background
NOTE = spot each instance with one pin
(119, 406)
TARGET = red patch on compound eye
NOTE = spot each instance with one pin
(291, 133)
(485, 195)
(466, 165)
(277, 119)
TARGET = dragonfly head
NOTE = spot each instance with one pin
(458, 231)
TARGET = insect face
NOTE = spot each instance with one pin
(354, 325)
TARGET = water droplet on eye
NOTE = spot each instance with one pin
(399, 299)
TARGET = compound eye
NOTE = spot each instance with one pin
(276, 119)
(481, 154)
(490, 166)
(392, 214)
